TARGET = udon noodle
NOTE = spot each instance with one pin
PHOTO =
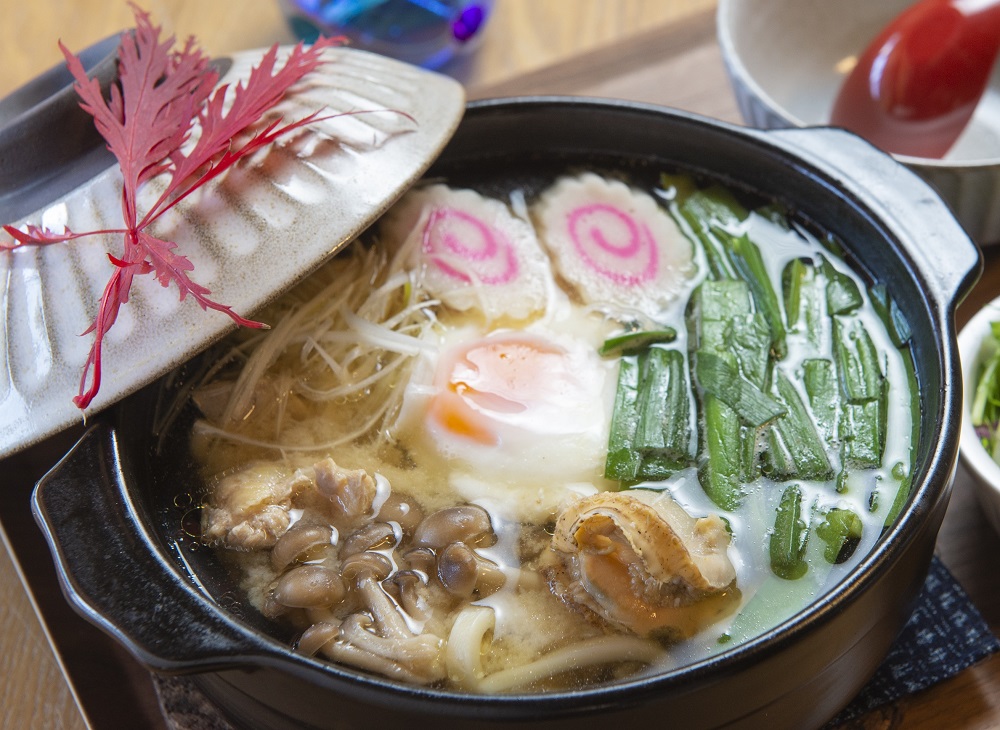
(548, 441)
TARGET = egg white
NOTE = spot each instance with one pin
(545, 454)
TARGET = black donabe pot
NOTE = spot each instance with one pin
(108, 507)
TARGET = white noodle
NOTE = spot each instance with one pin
(463, 656)
(464, 652)
(589, 652)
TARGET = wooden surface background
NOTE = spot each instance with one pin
(521, 36)
(660, 51)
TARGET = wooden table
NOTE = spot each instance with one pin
(660, 51)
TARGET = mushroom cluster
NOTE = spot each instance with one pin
(369, 578)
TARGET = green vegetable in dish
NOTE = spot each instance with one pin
(803, 293)
(788, 539)
(985, 410)
(841, 530)
(892, 316)
(622, 463)
(663, 431)
(842, 295)
(651, 423)
(749, 264)
(795, 449)
(631, 343)
(857, 361)
(718, 375)
(788, 359)
(722, 470)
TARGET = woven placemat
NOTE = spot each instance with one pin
(945, 635)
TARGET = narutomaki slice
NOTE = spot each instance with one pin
(473, 252)
(614, 244)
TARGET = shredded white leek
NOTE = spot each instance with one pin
(345, 337)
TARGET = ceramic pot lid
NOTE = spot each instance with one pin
(250, 235)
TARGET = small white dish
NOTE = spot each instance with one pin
(261, 228)
(975, 345)
(787, 59)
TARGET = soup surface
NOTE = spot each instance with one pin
(559, 438)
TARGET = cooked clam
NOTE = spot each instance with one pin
(638, 560)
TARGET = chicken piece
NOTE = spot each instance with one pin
(351, 492)
(248, 509)
(639, 561)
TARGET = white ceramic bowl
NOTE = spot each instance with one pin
(786, 60)
(975, 345)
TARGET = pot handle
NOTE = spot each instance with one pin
(945, 254)
(114, 577)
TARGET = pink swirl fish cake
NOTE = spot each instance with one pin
(472, 252)
(613, 244)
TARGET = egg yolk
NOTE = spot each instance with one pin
(512, 381)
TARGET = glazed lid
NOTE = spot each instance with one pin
(250, 235)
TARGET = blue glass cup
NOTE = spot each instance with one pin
(427, 33)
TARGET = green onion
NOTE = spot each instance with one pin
(841, 530)
(795, 450)
(664, 426)
(788, 539)
(749, 264)
(888, 310)
(750, 469)
(905, 483)
(724, 326)
(631, 343)
(722, 470)
(718, 375)
(650, 436)
(822, 390)
(709, 209)
(749, 339)
(803, 300)
(622, 463)
(858, 366)
(863, 433)
(716, 304)
(842, 293)
(723, 322)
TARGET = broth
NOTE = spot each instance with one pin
(429, 470)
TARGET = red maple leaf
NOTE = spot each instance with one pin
(161, 96)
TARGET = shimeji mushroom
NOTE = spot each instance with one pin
(373, 536)
(466, 523)
(403, 511)
(309, 586)
(379, 638)
(301, 542)
(408, 588)
(462, 572)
